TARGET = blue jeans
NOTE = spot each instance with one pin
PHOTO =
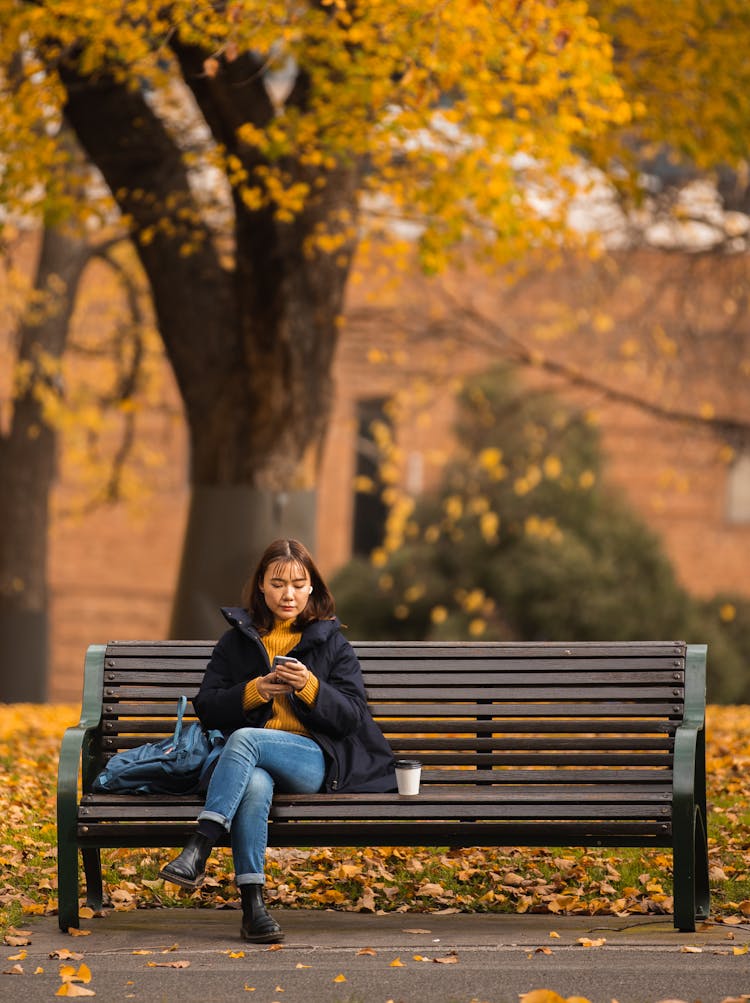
(253, 761)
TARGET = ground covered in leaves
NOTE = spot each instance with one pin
(557, 881)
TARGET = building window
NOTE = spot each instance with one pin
(369, 508)
(738, 489)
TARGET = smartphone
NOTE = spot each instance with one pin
(280, 660)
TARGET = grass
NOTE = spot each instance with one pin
(556, 881)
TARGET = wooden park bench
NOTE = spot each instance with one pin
(522, 744)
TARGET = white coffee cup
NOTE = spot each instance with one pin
(408, 773)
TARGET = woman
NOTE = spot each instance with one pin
(299, 726)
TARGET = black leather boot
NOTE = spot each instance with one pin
(257, 926)
(189, 869)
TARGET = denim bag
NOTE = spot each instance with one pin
(181, 764)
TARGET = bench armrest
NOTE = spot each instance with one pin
(689, 783)
(689, 798)
(76, 749)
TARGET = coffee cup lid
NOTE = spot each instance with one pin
(407, 764)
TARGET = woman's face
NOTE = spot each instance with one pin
(286, 589)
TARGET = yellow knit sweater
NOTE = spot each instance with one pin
(280, 641)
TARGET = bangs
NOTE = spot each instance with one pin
(294, 568)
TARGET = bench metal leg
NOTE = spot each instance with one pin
(92, 867)
(691, 888)
(67, 885)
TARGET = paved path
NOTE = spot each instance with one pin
(333, 957)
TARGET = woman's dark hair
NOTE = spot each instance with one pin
(320, 605)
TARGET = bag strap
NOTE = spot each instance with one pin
(181, 705)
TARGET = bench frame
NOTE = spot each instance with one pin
(593, 791)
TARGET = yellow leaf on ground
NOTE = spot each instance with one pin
(86, 912)
(15, 970)
(340, 978)
(168, 964)
(740, 950)
(18, 957)
(73, 931)
(690, 949)
(300, 965)
(368, 951)
(588, 942)
(73, 989)
(13, 931)
(431, 888)
(63, 954)
(542, 996)
(34, 908)
(397, 963)
(70, 974)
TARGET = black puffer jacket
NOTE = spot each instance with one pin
(358, 758)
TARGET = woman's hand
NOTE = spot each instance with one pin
(293, 673)
(269, 686)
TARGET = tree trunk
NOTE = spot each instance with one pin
(251, 346)
(27, 470)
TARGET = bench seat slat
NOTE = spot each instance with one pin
(438, 803)
(451, 834)
(435, 793)
(431, 812)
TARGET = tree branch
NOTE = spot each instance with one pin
(728, 427)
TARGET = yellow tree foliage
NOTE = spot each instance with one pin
(683, 64)
(448, 106)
